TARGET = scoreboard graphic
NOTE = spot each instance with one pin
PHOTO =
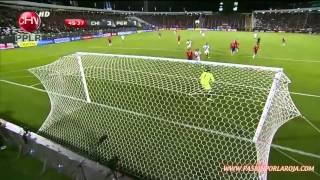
(82, 23)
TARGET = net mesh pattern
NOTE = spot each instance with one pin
(153, 116)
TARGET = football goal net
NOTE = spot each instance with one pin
(151, 118)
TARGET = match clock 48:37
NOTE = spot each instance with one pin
(78, 23)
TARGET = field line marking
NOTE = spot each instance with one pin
(295, 151)
(311, 124)
(32, 85)
(303, 94)
(295, 160)
(22, 85)
(190, 126)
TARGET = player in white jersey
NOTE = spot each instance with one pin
(206, 49)
(189, 44)
(255, 35)
(197, 54)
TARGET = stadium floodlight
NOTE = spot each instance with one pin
(235, 6)
(152, 114)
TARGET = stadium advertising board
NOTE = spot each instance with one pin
(75, 38)
(86, 37)
(6, 46)
(45, 42)
(10, 45)
(27, 44)
(114, 34)
(61, 40)
(99, 35)
(126, 33)
(141, 31)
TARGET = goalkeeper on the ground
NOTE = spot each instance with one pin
(206, 79)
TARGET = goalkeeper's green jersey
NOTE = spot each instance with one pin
(205, 79)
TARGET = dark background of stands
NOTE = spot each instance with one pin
(53, 26)
(246, 6)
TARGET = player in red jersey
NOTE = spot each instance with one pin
(236, 45)
(255, 50)
(179, 38)
(189, 54)
(109, 40)
(233, 47)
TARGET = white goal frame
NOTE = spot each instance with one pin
(271, 82)
(268, 103)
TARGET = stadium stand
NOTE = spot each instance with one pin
(235, 21)
(294, 20)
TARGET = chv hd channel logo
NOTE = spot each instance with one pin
(30, 22)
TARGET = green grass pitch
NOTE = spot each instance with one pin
(299, 58)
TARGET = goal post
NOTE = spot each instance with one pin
(274, 88)
(152, 114)
(83, 78)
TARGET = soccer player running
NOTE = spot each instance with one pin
(255, 51)
(283, 41)
(179, 38)
(197, 54)
(258, 41)
(232, 47)
(159, 34)
(206, 79)
(110, 41)
(189, 54)
(237, 44)
(189, 44)
(206, 49)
